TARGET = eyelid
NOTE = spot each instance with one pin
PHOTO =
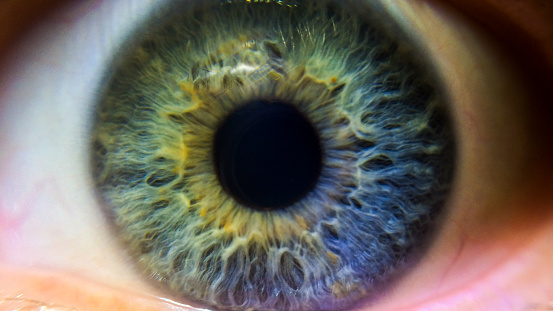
(24, 289)
(503, 289)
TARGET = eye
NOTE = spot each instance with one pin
(60, 194)
(245, 161)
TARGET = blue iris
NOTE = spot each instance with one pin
(319, 206)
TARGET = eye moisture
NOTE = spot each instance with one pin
(271, 155)
(267, 155)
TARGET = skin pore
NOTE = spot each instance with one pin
(493, 253)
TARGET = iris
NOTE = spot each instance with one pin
(271, 155)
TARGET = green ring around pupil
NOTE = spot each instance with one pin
(267, 155)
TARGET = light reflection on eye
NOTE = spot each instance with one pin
(44, 192)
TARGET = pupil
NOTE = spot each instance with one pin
(267, 155)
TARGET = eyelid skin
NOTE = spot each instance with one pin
(19, 17)
(531, 246)
(71, 292)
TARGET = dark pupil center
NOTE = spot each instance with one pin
(267, 155)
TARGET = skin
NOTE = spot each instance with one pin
(493, 253)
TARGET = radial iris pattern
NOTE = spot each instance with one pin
(385, 143)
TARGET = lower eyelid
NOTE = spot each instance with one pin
(516, 282)
(58, 291)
